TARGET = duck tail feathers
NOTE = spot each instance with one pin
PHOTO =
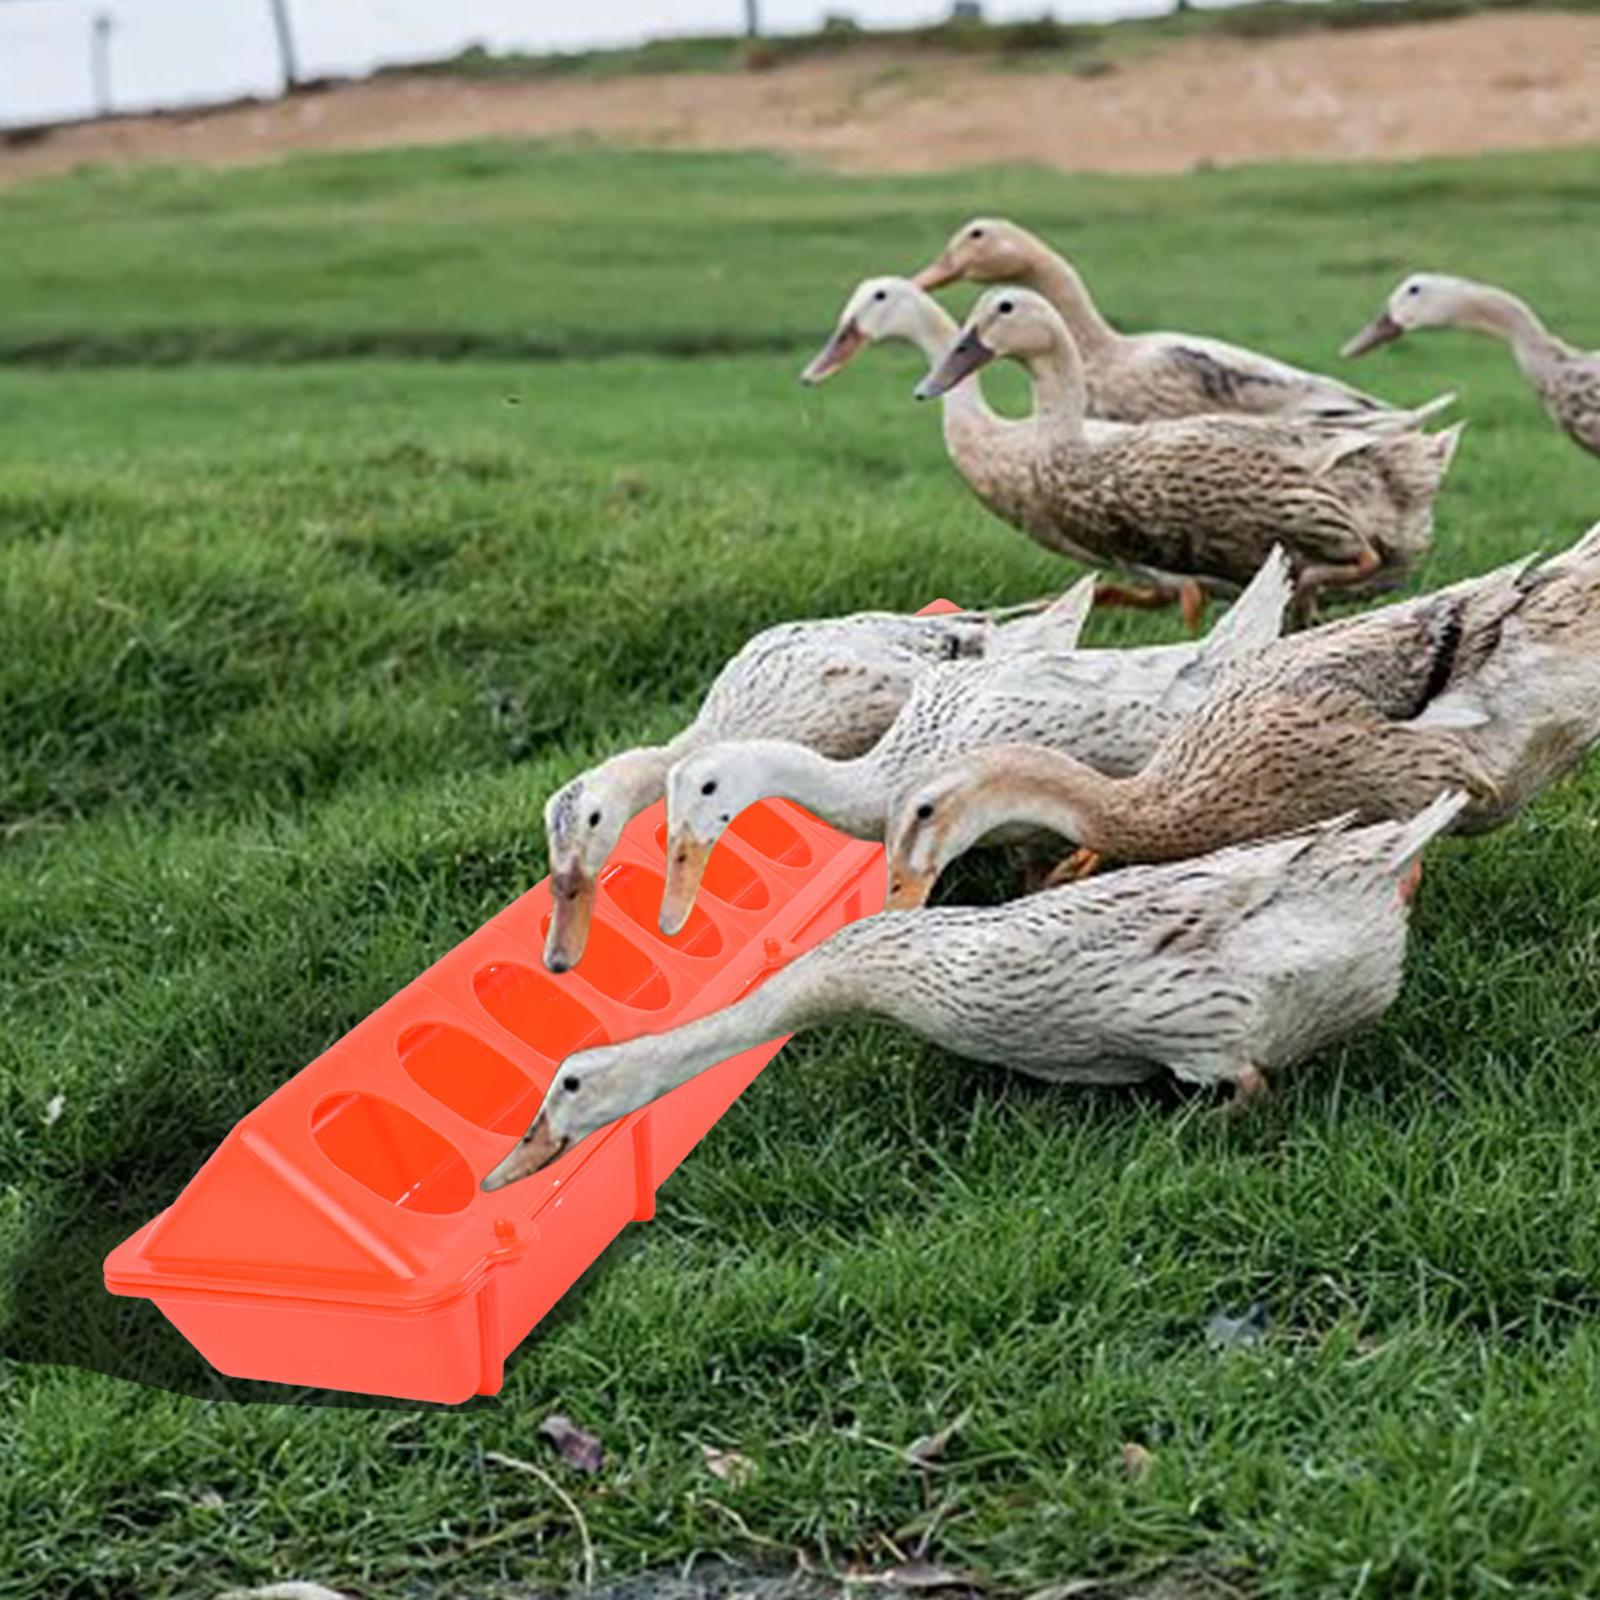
(1437, 817)
(1055, 624)
(1586, 549)
(1446, 443)
(1433, 408)
(1255, 619)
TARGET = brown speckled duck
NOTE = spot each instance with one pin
(1221, 971)
(1144, 376)
(1565, 378)
(1110, 707)
(1491, 687)
(1198, 501)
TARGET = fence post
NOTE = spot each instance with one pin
(100, 61)
(285, 31)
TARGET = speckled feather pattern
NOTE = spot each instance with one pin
(1569, 386)
(1110, 708)
(1251, 958)
(1155, 376)
(834, 684)
(1209, 497)
(1492, 687)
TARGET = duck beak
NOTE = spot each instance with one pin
(847, 341)
(572, 894)
(965, 357)
(1380, 330)
(537, 1148)
(936, 274)
(686, 866)
(908, 891)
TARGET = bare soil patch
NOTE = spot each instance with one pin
(1495, 82)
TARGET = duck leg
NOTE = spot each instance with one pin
(1188, 595)
(1313, 579)
(1249, 1090)
(1082, 863)
(1410, 882)
(1142, 597)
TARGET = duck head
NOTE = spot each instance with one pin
(1009, 322)
(931, 824)
(971, 798)
(984, 250)
(1424, 300)
(705, 792)
(879, 309)
(582, 824)
(587, 1093)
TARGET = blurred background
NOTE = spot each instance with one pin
(63, 59)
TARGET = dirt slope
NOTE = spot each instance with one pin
(1482, 83)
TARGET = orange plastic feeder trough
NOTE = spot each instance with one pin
(338, 1237)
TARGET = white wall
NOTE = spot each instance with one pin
(169, 52)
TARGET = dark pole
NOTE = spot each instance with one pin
(752, 18)
(100, 62)
(285, 31)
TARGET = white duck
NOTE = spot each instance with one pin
(1221, 970)
(832, 685)
(1565, 378)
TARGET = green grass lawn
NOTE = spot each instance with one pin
(302, 623)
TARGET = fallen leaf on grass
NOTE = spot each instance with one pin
(286, 1591)
(1238, 1333)
(53, 1109)
(924, 1452)
(581, 1451)
(919, 1576)
(1136, 1461)
(733, 1468)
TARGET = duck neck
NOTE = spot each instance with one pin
(1059, 282)
(933, 330)
(1502, 315)
(1050, 790)
(970, 425)
(1120, 818)
(851, 795)
(1058, 390)
(811, 989)
(640, 774)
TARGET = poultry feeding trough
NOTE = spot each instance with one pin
(338, 1237)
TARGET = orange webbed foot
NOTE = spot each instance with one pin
(1082, 863)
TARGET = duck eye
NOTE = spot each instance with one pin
(709, 787)
(594, 819)
(925, 811)
(1007, 307)
(977, 233)
(882, 294)
(572, 1083)
(1415, 288)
